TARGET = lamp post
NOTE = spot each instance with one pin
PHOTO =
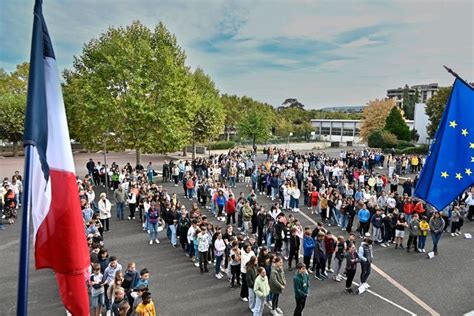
(105, 135)
(288, 142)
(313, 133)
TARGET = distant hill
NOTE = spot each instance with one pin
(344, 109)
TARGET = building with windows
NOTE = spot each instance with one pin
(425, 92)
(340, 130)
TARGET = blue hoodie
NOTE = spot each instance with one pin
(308, 246)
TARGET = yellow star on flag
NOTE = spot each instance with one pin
(472, 159)
(468, 171)
(471, 145)
(464, 132)
(444, 174)
(458, 176)
(453, 124)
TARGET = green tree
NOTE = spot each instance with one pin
(132, 81)
(208, 120)
(12, 118)
(13, 90)
(255, 125)
(395, 124)
(382, 139)
(435, 107)
(408, 105)
(233, 110)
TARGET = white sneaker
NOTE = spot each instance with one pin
(244, 299)
(366, 285)
(151, 242)
(196, 264)
(279, 310)
(157, 241)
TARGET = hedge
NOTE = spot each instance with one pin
(222, 145)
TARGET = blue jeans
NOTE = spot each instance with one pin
(190, 193)
(344, 220)
(196, 252)
(421, 242)
(168, 232)
(153, 231)
(337, 216)
(120, 206)
(258, 308)
(172, 228)
(268, 239)
(436, 237)
(274, 193)
(251, 299)
(218, 263)
(232, 181)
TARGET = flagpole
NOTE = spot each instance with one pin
(22, 292)
(456, 75)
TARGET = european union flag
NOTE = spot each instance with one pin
(449, 167)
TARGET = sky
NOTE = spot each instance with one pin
(324, 53)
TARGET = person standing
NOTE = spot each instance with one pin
(261, 289)
(250, 276)
(203, 248)
(277, 284)
(308, 247)
(246, 254)
(119, 197)
(153, 219)
(365, 255)
(294, 249)
(413, 230)
(352, 258)
(436, 227)
(301, 288)
(104, 211)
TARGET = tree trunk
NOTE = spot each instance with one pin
(253, 142)
(185, 151)
(227, 137)
(138, 155)
(194, 149)
(15, 149)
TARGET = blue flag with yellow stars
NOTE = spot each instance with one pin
(449, 167)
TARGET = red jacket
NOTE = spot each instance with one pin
(408, 208)
(230, 206)
(419, 208)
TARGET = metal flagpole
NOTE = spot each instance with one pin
(456, 75)
(22, 292)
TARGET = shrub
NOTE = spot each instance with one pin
(420, 150)
(401, 144)
(222, 145)
(382, 139)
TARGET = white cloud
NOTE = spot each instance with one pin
(377, 44)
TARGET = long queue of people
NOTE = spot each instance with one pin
(344, 192)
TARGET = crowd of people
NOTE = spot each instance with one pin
(231, 231)
(248, 244)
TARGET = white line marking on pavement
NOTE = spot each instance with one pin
(405, 291)
(387, 300)
(394, 283)
(9, 244)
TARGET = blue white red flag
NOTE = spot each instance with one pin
(59, 235)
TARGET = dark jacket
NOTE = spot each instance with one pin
(250, 276)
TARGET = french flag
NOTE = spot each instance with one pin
(50, 181)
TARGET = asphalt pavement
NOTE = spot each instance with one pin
(445, 284)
